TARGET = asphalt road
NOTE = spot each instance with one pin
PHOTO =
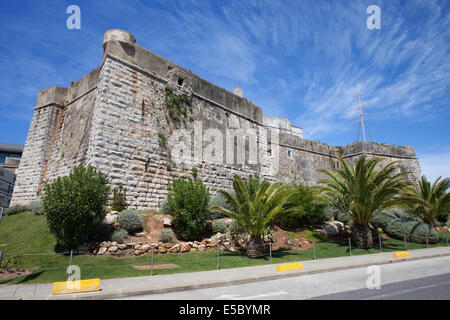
(418, 279)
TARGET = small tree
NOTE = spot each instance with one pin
(363, 191)
(188, 203)
(255, 203)
(75, 205)
(119, 201)
(429, 202)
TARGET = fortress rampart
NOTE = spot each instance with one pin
(119, 118)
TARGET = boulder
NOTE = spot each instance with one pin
(102, 250)
(202, 247)
(145, 247)
(162, 249)
(113, 249)
(167, 222)
(185, 247)
(332, 228)
(174, 249)
(122, 246)
(111, 218)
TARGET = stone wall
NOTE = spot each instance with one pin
(117, 119)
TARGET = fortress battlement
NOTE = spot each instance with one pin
(120, 117)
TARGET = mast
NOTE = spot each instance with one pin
(361, 115)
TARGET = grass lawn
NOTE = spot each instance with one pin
(28, 237)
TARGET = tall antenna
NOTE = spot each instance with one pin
(361, 115)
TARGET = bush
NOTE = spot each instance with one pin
(414, 231)
(164, 208)
(166, 235)
(75, 205)
(119, 236)
(119, 201)
(103, 231)
(307, 212)
(188, 203)
(130, 220)
(383, 219)
(18, 208)
(219, 226)
(37, 207)
(221, 201)
(236, 229)
(443, 218)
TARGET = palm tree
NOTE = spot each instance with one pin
(363, 191)
(254, 205)
(428, 201)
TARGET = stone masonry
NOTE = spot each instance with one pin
(117, 119)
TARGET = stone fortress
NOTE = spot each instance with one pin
(119, 118)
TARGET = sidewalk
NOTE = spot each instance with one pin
(125, 287)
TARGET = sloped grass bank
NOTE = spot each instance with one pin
(27, 236)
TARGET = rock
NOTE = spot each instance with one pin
(174, 249)
(185, 247)
(168, 245)
(122, 246)
(102, 250)
(218, 237)
(167, 222)
(145, 247)
(140, 234)
(113, 249)
(332, 228)
(162, 249)
(202, 247)
(111, 218)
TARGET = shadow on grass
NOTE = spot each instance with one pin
(30, 277)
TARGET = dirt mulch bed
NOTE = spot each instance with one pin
(13, 273)
(282, 240)
(157, 266)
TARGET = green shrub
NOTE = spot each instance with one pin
(164, 207)
(119, 200)
(443, 218)
(130, 220)
(36, 207)
(119, 236)
(75, 205)
(188, 202)
(219, 226)
(165, 235)
(307, 211)
(236, 229)
(330, 212)
(18, 208)
(9, 261)
(221, 201)
(103, 231)
(383, 219)
(414, 231)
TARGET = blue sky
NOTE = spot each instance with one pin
(304, 60)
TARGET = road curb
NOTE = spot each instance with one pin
(122, 293)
